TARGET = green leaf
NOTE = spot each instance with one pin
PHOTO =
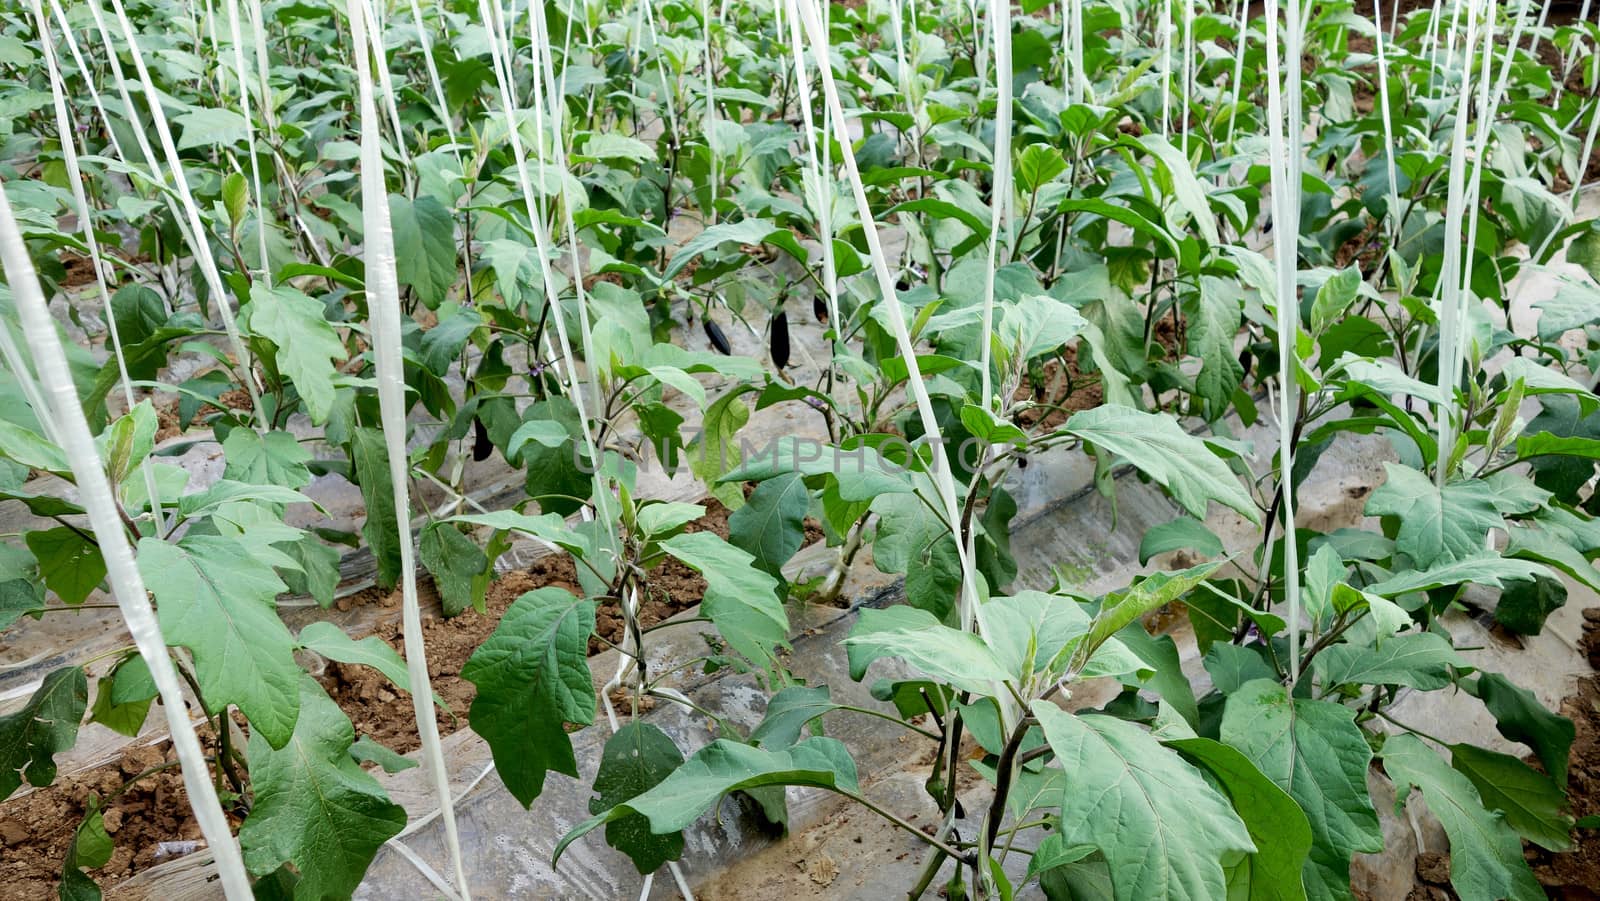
(306, 342)
(91, 848)
(1160, 448)
(1156, 590)
(44, 727)
(442, 345)
(330, 641)
(1231, 666)
(235, 197)
(1436, 526)
(381, 529)
(740, 599)
(662, 518)
(1486, 861)
(1532, 804)
(1334, 297)
(1521, 718)
(727, 766)
(788, 713)
(455, 562)
(1214, 314)
(1314, 751)
(533, 677)
(1186, 188)
(1278, 827)
(365, 750)
(275, 458)
(1037, 165)
(1485, 569)
(1038, 324)
(990, 428)
(861, 472)
(1524, 606)
(315, 807)
(128, 441)
(636, 759)
(69, 562)
(29, 448)
(424, 246)
(122, 699)
(1164, 831)
(953, 656)
(209, 128)
(217, 600)
(748, 231)
(1575, 304)
(771, 525)
(1421, 660)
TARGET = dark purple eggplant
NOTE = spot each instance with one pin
(819, 308)
(780, 339)
(482, 447)
(718, 339)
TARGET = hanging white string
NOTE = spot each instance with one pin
(383, 304)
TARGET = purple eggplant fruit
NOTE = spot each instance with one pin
(718, 339)
(780, 339)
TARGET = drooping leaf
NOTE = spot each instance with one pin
(44, 727)
(365, 750)
(635, 760)
(1484, 569)
(726, 766)
(218, 600)
(455, 561)
(741, 599)
(861, 472)
(424, 246)
(1278, 827)
(1531, 803)
(788, 713)
(1486, 861)
(1180, 533)
(209, 127)
(1314, 751)
(1121, 608)
(1164, 831)
(1520, 717)
(381, 530)
(1157, 446)
(771, 525)
(314, 806)
(69, 562)
(330, 641)
(122, 698)
(533, 677)
(306, 342)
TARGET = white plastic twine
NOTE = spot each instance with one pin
(94, 492)
(1450, 274)
(236, 36)
(383, 304)
(999, 229)
(69, 155)
(1286, 222)
(197, 231)
(1395, 225)
(971, 609)
(821, 195)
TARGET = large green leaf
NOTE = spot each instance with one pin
(381, 529)
(1520, 717)
(1276, 824)
(424, 246)
(331, 642)
(1213, 315)
(862, 473)
(218, 600)
(69, 562)
(1483, 569)
(1421, 660)
(635, 760)
(740, 599)
(1163, 830)
(533, 677)
(44, 727)
(726, 766)
(307, 344)
(771, 525)
(960, 659)
(275, 458)
(1532, 804)
(1486, 861)
(455, 562)
(1314, 751)
(1157, 590)
(1436, 525)
(314, 806)
(1157, 446)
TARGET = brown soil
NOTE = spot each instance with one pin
(1067, 393)
(378, 710)
(79, 269)
(37, 829)
(1574, 875)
